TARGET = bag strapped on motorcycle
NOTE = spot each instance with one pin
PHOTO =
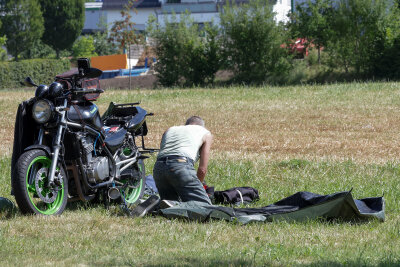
(91, 84)
(79, 114)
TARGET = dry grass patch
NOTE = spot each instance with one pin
(343, 121)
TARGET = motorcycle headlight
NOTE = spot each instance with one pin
(42, 111)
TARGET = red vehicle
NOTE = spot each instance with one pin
(299, 47)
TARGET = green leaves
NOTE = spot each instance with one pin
(63, 22)
(312, 21)
(57, 22)
(123, 31)
(84, 47)
(355, 34)
(22, 24)
(41, 71)
(187, 54)
(359, 28)
(3, 41)
(252, 42)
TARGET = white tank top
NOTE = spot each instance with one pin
(184, 140)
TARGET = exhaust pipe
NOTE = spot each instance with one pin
(113, 193)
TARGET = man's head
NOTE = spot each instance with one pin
(195, 120)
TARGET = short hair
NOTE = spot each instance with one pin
(196, 120)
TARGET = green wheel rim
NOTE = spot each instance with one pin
(40, 206)
(133, 194)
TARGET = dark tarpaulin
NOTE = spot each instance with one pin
(301, 206)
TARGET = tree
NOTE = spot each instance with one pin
(84, 47)
(252, 42)
(102, 46)
(63, 22)
(22, 23)
(123, 32)
(360, 33)
(311, 20)
(100, 40)
(186, 54)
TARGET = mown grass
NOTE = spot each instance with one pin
(94, 236)
(279, 140)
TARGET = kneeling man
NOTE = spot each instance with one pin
(174, 173)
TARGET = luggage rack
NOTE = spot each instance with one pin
(124, 110)
(126, 104)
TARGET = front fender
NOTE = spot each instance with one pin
(46, 149)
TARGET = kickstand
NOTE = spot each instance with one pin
(107, 200)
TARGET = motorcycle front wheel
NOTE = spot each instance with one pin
(31, 190)
(134, 188)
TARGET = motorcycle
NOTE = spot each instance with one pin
(65, 151)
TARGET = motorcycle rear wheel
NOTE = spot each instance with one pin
(133, 195)
(32, 194)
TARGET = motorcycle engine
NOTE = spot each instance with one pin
(97, 167)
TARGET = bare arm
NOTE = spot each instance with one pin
(204, 157)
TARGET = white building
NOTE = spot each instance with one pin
(144, 8)
(202, 11)
(282, 8)
(93, 17)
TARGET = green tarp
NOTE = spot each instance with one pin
(301, 206)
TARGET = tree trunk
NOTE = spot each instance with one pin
(58, 53)
(16, 55)
(319, 55)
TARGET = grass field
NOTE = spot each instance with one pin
(279, 140)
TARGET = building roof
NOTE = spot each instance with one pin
(119, 4)
(93, 5)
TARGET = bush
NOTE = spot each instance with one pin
(360, 33)
(388, 66)
(84, 47)
(39, 50)
(186, 54)
(253, 42)
(102, 46)
(42, 71)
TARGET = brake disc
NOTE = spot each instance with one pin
(45, 193)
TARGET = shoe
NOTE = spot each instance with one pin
(165, 204)
(147, 206)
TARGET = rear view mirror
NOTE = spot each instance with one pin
(83, 63)
(83, 66)
(29, 82)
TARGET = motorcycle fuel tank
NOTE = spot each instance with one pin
(88, 112)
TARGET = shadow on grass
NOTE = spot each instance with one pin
(114, 208)
(184, 261)
(197, 262)
(361, 262)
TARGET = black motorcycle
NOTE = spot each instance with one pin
(65, 151)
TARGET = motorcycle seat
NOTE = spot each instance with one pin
(114, 139)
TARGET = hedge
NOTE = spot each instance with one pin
(42, 71)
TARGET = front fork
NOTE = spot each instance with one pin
(57, 143)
